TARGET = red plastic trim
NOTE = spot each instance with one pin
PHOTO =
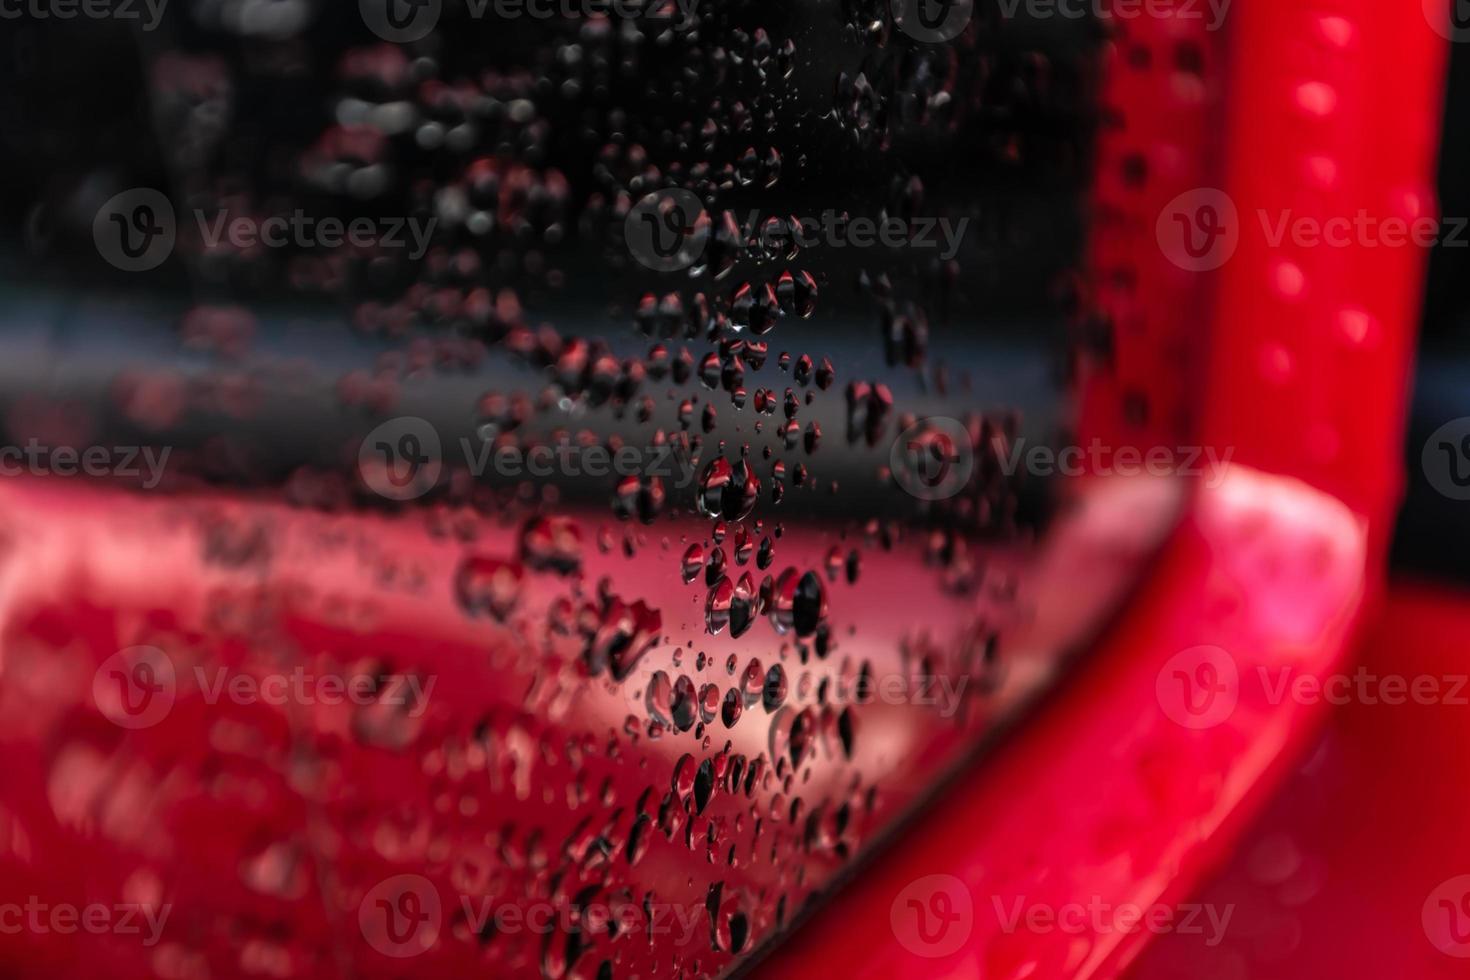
(1302, 357)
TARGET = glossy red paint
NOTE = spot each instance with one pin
(1294, 362)
(1294, 358)
(1356, 868)
(332, 838)
(1131, 782)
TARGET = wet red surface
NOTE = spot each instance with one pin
(1130, 784)
(1297, 359)
(537, 748)
(559, 769)
(1358, 866)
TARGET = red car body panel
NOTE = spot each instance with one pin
(274, 832)
(1335, 881)
(1296, 359)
